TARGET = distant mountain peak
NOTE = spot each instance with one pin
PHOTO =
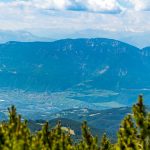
(24, 36)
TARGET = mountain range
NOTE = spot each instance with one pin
(89, 73)
(73, 80)
(47, 35)
(80, 63)
(24, 36)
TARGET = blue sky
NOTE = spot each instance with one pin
(61, 18)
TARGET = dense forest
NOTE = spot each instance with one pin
(134, 134)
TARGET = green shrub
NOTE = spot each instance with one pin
(134, 134)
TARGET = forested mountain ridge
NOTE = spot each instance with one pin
(79, 63)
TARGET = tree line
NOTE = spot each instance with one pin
(133, 134)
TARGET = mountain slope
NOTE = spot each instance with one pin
(104, 121)
(97, 63)
(41, 78)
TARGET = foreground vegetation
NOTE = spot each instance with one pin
(134, 134)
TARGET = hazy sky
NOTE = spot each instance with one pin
(68, 16)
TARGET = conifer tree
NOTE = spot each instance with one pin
(105, 143)
(127, 135)
(142, 120)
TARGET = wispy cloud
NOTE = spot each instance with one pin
(100, 6)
